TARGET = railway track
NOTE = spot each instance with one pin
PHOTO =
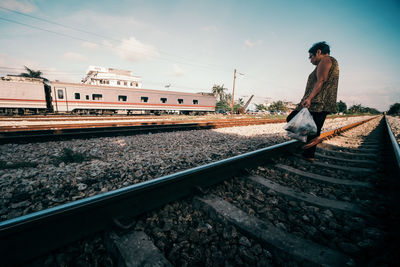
(34, 133)
(267, 207)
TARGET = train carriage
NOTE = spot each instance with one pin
(25, 95)
(18, 94)
(72, 97)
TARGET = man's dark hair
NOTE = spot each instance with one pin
(323, 46)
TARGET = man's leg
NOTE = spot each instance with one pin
(319, 119)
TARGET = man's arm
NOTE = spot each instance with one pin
(322, 75)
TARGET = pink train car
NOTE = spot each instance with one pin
(67, 97)
(25, 95)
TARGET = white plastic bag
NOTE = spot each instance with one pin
(301, 125)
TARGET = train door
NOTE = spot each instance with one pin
(60, 96)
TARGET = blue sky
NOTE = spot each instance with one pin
(193, 45)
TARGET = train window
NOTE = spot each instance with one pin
(87, 97)
(163, 100)
(144, 99)
(97, 96)
(60, 94)
(125, 83)
(118, 82)
(122, 98)
(195, 102)
(180, 100)
(77, 96)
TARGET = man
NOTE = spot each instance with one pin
(321, 92)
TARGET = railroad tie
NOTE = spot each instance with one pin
(314, 200)
(299, 249)
(362, 162)
(135, 249)
(322, 178)
(348, 154)
(357, 170)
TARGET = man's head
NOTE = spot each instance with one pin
(317, 51)
(323, 46)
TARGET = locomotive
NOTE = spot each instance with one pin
(21, 95)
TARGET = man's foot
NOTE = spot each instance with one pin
(312, 143)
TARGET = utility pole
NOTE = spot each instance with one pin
(233, 91)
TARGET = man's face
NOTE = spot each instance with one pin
(315, 58)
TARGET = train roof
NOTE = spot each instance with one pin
(56, 83)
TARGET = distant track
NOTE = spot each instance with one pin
(12, 134)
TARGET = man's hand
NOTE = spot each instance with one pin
(306, 103)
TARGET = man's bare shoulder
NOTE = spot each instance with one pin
(326, 60)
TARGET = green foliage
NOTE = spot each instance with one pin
(277, 106)
(394, 109)
(16, 165)
(341, 106)
(358, 109)
(32, 74)
(222, 106)
(219, 92)
(69, 156)
(224, 100)
(261, 107)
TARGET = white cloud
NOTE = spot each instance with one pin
(74, 56)
(133, 50)
(89, 45)
(107, 44)
(104, 24)
(177, 71)
(210, 28)
(24, 6)
(251, 44)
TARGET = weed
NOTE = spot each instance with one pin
(16, 165)
(69, 156)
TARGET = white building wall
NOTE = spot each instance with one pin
(111, 77)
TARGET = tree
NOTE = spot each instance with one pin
(33, 74)
(277, 106)
(222, 106)
(260, 107)
(341, 106)
(219, 92)
(360, 109)
(224, 100)
(394, 109)
(355, 109)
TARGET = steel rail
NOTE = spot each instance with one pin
(394, 145)
(338, 131)
(92, 130)
(32, 235)
(98, 123)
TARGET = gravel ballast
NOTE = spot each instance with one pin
(37, 176)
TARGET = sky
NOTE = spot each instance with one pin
(194, 45)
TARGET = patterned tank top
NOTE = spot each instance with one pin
(325, 100)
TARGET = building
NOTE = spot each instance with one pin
(111, 77)
(17, 78)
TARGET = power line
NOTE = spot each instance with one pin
(204, 66)
(100, 44)
(95, 34)
(56, 23)
(38, 28)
